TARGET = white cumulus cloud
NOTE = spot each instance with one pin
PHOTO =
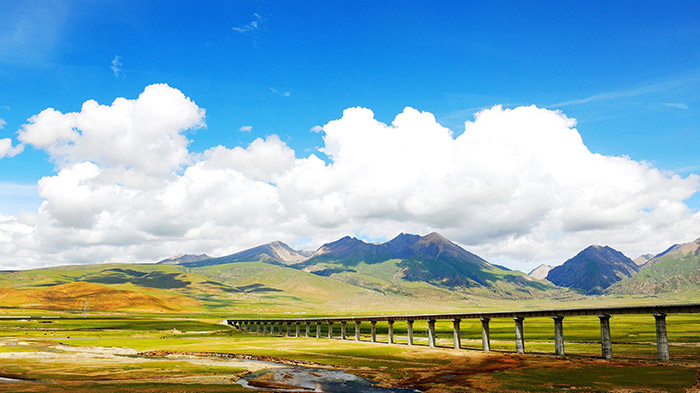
(7, 150)
(519, 187)
(146, 134)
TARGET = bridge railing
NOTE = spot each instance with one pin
(284, 326)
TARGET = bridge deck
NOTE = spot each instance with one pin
(603, 313)
(564, 312)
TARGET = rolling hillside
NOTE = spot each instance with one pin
(73, 297)
(676, 270)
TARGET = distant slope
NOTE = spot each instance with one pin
(171, 283)
(275, 252)
(643, 259)
(540, 272)
(72, 297)
(593, 269)
(184, 258)
(275, 281)
(350, 251)
(675, 270)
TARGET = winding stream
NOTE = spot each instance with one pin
(306, 379)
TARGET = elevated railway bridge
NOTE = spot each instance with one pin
(293, 326)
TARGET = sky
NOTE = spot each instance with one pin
(131, 131)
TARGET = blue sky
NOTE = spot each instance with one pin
(628, 72)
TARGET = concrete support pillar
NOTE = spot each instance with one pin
(605, 339)
(330, 329)
(289, 328)
(374, 331)
(519, 335)
(431, 332)
(485, 335)
(264, 327)
(308, 329)
(343, 325)
(257, 327)
(357, 330)
(272, 328)
(661, 338)
(390, 333)
(409, 332)
(318, 329)
(297, 330)
(455, 333)
(281, 328)
(559, 336)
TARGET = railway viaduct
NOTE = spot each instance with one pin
(284, 326)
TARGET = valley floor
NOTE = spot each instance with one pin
(112, 354)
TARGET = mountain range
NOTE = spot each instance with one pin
(409, 273)
(407, 258)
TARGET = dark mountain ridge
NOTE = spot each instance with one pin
(275, 252)
(593, 269)
(431, 259)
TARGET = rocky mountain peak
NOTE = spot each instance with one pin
(594, 267)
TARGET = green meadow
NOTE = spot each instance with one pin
(133, 310)
(427, 369)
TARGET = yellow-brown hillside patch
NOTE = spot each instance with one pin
(72, 296)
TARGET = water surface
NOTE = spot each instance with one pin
(306, 379)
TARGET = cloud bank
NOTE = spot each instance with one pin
(518, 187)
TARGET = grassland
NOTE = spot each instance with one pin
(142, 308)
(100, 354)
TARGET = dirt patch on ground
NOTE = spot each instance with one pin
(224, 355)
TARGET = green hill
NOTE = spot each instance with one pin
(676, 270)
